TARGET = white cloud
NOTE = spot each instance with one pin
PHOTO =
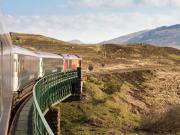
(161, 3)
(94, 27)
(97, 3)
(124, 3)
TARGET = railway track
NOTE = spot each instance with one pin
(18, 104)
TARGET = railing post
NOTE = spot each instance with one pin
(79, 81)
(77, 87)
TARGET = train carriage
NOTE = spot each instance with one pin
(25, 67)
(5, 78)
(49, 63)
(71, 62)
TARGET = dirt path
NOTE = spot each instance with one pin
(125, 70)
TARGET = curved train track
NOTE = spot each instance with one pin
(19, 101)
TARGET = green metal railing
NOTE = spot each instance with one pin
(47, 92)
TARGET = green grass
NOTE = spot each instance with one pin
(174, 56)
(103, 110)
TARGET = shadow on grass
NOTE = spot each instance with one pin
(164, 122)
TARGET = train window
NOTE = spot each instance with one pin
(41, 63)
(16, 65)
(22, 64)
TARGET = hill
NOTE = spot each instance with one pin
(163, 36)
(124, 39)
(97, 55)
(132, 89)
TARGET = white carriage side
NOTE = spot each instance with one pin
(25, 67)
(5, 78)
(49, 63)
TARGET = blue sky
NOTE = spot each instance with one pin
(88, 20)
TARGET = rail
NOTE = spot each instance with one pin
(49, 91)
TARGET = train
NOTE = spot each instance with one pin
(29, 66)
(6, 86)
(20, 66)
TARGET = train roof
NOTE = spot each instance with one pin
(70, 56)
(48, 55)
(23, 51)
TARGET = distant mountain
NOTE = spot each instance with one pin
(162, 36)
(76, 42)
(124, 39)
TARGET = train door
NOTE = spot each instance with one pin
(41, 67)
(1, 96)
(65, 64)
(15, 72)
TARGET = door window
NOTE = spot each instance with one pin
(1, 96)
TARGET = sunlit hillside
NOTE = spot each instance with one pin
(127, 89)
(98, 55)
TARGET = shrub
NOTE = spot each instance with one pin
(90, 68)
(94, 80)
(103, 65)
(112, 87)
(163, 122)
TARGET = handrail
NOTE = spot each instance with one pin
(48, 91)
